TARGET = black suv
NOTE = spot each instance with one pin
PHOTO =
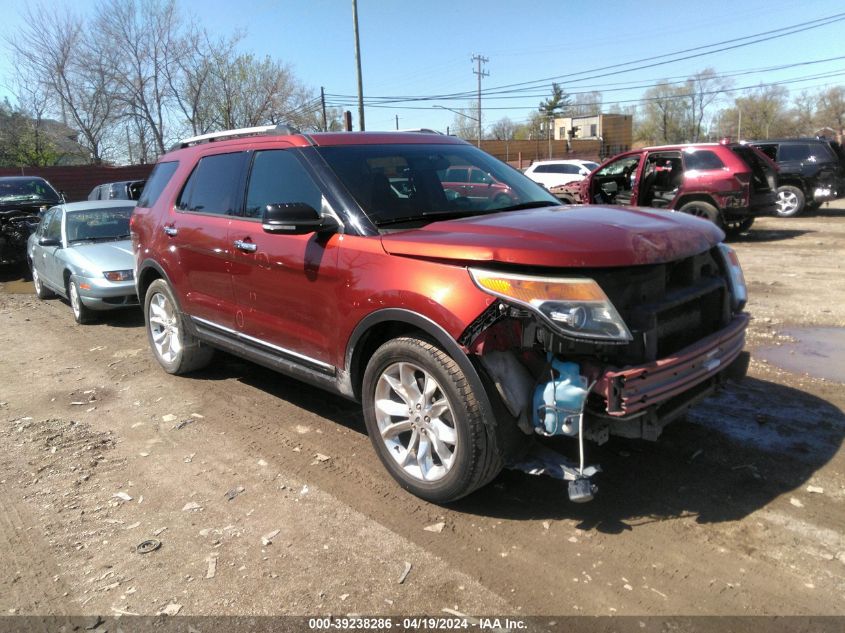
(812, 171)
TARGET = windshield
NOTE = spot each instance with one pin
(27, 189)
(421, 183)
(105, 225)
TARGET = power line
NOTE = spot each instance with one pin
(725, 45)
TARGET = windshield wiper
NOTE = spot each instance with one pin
(431, 216)
(534, 204)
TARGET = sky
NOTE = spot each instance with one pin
(424, 48)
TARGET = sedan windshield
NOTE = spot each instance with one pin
(416, 184)
(105, 225)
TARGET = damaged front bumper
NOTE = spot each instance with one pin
(632, 390)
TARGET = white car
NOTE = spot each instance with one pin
(551, 173)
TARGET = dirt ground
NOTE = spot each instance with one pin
(267, 498)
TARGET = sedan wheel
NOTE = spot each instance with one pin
(40, 290)
(81, 313)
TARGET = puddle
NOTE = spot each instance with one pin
(17, 287)
(818, 352)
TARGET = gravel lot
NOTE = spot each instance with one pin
(738, 511)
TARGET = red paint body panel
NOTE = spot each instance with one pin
(592, 236)
(631, 390)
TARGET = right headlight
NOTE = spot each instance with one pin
(576, 306)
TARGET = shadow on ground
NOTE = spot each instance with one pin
(737, 452)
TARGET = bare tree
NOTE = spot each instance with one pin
(831, 110)
(587, 104)
(503, 129)
(142, 46)
(64, 65)
(663, 115)
(705, 88)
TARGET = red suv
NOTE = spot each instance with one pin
(727, 184)
(464, 325)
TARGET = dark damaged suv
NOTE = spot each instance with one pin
(23, 199)
(464, 325)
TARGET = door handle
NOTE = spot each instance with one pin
(246, 247)
(170, 231)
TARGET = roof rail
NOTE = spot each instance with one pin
(244, 131)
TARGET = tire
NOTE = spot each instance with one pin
(440, 457)
(703, 210)
(82, 314)
(735, 227)
(41, 290)
(790, 201)
(174, 347)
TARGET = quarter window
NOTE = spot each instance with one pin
(277, 178)
(215, 185)
(456, 175)
(703, 159)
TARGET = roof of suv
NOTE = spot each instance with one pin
(683, 146)
(322, 139)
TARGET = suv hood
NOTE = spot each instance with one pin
(561, 236)
(102, 256)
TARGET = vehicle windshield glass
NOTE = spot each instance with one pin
(105, 225)
(416, 184)
(32, 189)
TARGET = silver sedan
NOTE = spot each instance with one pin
(82, 251)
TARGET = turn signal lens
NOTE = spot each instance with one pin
(119, 275)
(575, 306)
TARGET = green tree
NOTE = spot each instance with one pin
(557, 104)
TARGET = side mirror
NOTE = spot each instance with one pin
(295, 218)
(49, 241)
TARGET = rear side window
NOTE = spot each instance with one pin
(277, 178)
(162, 173)
(794, 152)
(214, 186)
(703, 159)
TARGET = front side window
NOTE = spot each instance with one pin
(456, 175)
(53, 229)
(161, 175)
(214, 186)
(277, 178)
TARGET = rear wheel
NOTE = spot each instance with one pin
(425, 421)
(789, 202)
(40, 289)
(176, 349)
(81, 313)
(703, 210)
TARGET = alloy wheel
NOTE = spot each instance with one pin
(415, 421)
(787, 203)
(164, 328)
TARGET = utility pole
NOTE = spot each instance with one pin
(479, 59)
(358, 64)
(323, 104)
(397, 122)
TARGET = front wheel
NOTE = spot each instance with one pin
(176, 349)
(789, 202)
(81, 313)
(425, 421)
